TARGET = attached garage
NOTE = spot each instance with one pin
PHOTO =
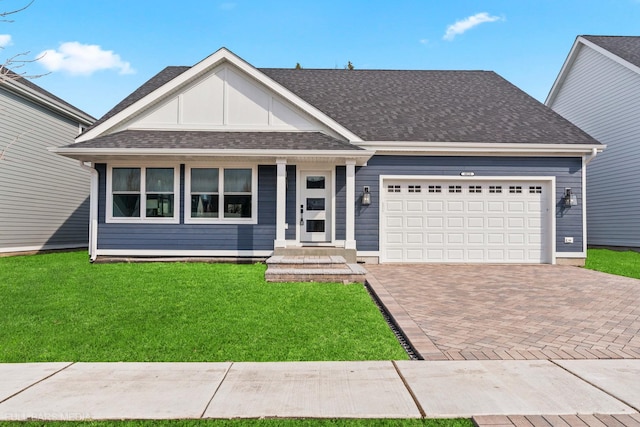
(464, 220)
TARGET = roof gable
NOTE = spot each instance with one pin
(222, 92)
(625, 47)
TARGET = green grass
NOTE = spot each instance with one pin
(59, 307)
(254, 422)
(614, 262)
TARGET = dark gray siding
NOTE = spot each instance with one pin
(341, 201)
(44, 198)
(567, 171)
(194, 236)
(290, 233)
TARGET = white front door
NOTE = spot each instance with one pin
(315, 207)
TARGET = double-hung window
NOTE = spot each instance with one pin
(220, 195)
(142, 194)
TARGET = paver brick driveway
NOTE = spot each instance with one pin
(511, 311)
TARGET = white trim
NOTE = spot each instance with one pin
(183, 253)
(584, 205)
(422, 148)
(350, 205)
(46, 247)
(142, 219)
(221, 219)
(92, 154)
(368, 253)
(281, 203)
(571, 255)
(571, 58)
(222, 55)
(46, 102)
(94, 195)
(549, 252)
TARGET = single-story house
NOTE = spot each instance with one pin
(598, 89)
(44, 198)
(225, 159)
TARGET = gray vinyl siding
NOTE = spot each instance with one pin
(290, 233)
(182, 236)
(603, 98)
(341, 200)
(567, 171)
(44, 198)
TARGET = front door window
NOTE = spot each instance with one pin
(315, 207)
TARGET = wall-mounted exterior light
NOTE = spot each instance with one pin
(366, 196)
(570, 199)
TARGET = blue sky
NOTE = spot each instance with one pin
(99, 51)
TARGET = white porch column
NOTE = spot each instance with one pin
(350, 237)
(281, 203)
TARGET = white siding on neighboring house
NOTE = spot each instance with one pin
(43, 197)
(602, 97)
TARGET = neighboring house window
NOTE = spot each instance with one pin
(220, 195)
(142, 194)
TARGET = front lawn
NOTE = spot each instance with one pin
(59, 307)
(614, 262)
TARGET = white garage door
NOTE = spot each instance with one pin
(465, 221)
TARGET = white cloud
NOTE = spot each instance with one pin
(82, 59)
(5, 40)
(468, 23)
(424, 41)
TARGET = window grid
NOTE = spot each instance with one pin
(393, 189)
(515, 189)
(455, 189)
(495, 189)
(535, 189)
(475, 189)
(415, 189)
(435, 189)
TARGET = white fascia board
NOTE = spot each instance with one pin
(360, 156)
(47, 102)
(478, 148)
(563, 72)
(571, 58)
(209, 63)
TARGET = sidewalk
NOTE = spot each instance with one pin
(404, 389)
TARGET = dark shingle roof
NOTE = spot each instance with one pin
(442, 106)
(34, 87)
(434, 106)
(212, 140)
(626, 47)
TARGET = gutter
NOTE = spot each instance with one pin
(588, 158)
(93, 212)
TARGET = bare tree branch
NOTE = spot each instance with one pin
(8, 69)
(11, 12)
(3, 153)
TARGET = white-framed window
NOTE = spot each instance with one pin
(221, 194)
(143, 193)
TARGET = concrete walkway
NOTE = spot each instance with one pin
(576, 392)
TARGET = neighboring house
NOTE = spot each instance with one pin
(598, 89)
(223, 159)
(43, 197)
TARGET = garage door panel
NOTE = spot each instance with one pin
(465, 221)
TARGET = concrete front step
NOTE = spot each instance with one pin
(314, 251)
(330, 268)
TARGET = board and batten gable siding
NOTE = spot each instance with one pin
(568, 173)
(602, 97)
(44, 198)
(213, 237)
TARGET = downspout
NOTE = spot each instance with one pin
(588, 158)
(93, 211)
